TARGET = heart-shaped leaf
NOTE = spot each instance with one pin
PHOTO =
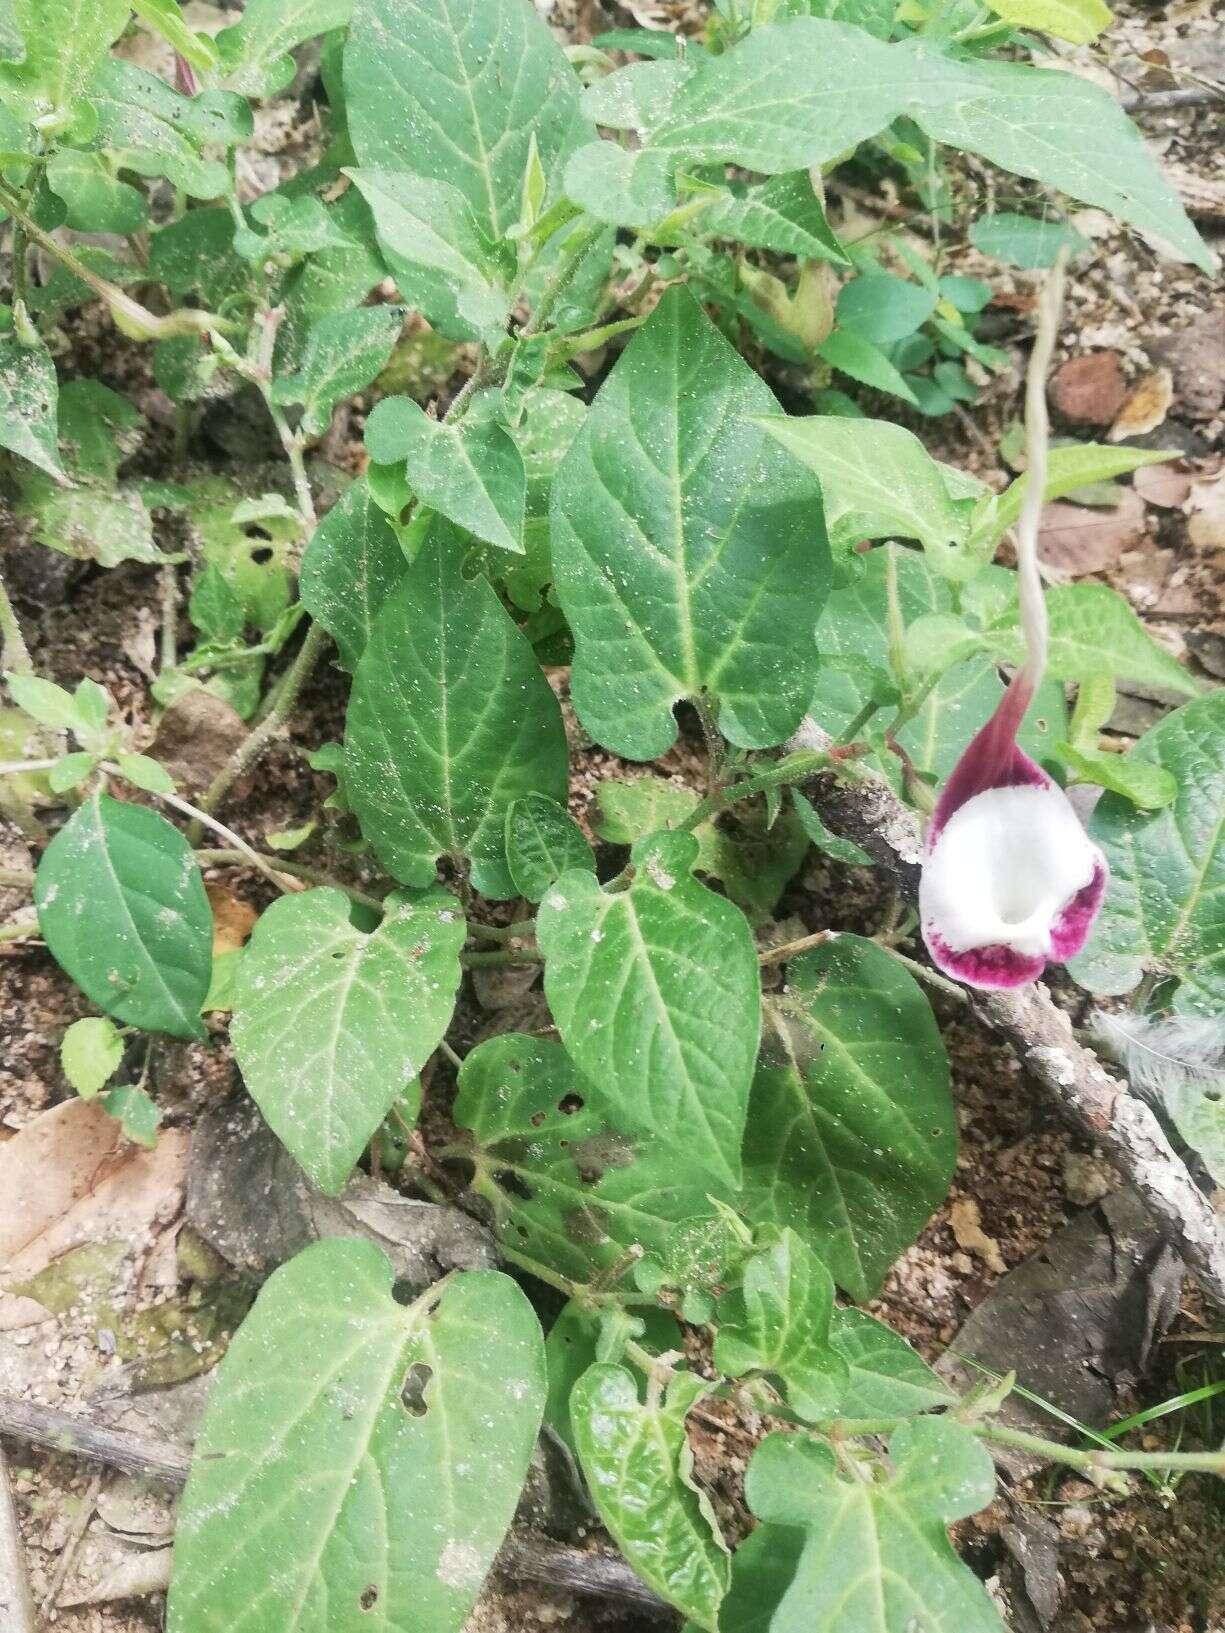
(1165, 905)
(330, 1023)
(887, 1378)
(778, 1322)
(852, 1135)
(876, 1557)
(686, 545)
(451, 720)
(459, 88)
(543, 841)
(574, 1186)
(638, 1466)
(360, 1460)
(121, 904)
(656, 995)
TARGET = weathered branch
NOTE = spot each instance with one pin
(16, 1606)
(523, 1555)
(1094, 1101)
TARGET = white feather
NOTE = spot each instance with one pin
(1162, 1056)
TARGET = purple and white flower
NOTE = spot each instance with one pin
(1010, 878)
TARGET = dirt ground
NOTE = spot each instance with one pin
(1144, 1561)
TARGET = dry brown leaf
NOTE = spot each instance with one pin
(70, 1178)
(233, 918)
(1165, 486)
(1078, 541)
(196, 736)
(1145, 406)
(1206, 509)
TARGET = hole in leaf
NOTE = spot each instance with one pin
(1213, 1096)
(369, 1598)
(412, 1390)
(569, 1104)
(403, 1290)
(536, 1119)
(262, 556)
(513, 1185)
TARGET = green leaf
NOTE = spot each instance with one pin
(783, 214)
(149, 128)
(215, 608)
(97, 201)
(442, 261)
(656, 995)
(878, 481)
(28, 395)
(1093, 632)
(1024, 240)
(461, 87)
(630, 187)
(785, 98)
(1076, 20)
(331, 1023)
(352, 564)
(842, 850)
(853, 635)
(44, 701)
(778, 1323)
(344, 352)
(374, 1451)
(852, 1135)
(858, 358)
(639, 1470)
(1198, 1113)
(471, 471)
(877, 1558)
(1165, 904)
(1057, 128)
(451, 720)
(577, 1339)
(90, 1053)
(887, 1378)
(1145, 785)
(66, 42)
(543, 841)
(135, 1112)
(145, 773)
(121, 905)
(575, 1182)
(883, 308)
(1070, 468)
(255, 51)
(164, 17)
(684, 545)
(69, 771)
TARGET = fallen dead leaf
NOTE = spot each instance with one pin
(70, 1178)
(1077, 541)
(1165, 486)
(966, 1224)
(196, 736)
(1206, 509)
(233, 918)
(1196, 358)
(1090, 389)
(1145, 406)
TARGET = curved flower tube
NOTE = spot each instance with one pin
(1010, 879)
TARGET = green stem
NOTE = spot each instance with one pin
(19, 932)
(481, 960)
(1095, 1460)
(521, 929)
(17, 878)
(137, 319)
(562, 279)
(789, 949)
(256, 741)
(315, 876)
(853, 729)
